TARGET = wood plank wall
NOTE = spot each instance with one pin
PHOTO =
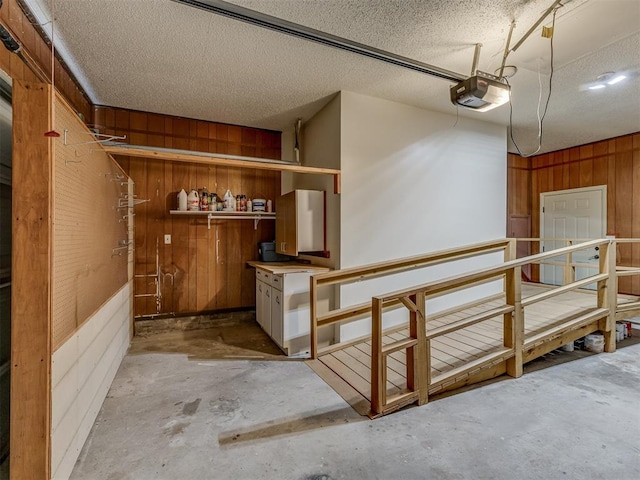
(203, 270)
(36, 49)
(614, 163)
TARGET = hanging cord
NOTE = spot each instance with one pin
(52, 132)
(546, 105)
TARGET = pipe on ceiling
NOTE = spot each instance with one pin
(263, 20)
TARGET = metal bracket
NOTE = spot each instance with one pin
(107, 138)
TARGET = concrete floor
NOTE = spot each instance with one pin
(174, 416)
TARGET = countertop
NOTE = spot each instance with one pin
(282, 268)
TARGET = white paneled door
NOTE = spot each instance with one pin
(572, 214)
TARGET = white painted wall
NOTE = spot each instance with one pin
(82, 371)
(414, 181)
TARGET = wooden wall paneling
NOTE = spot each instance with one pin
(574, 174)
(566, 170)
(193, 248)
(600, 166)
(203, 247)
(558, 176)
(31, 267)
(211, 264)
(248, 243)
(222, 139)
(138, 173)
(208, 278)
(635, 223)
(624, 205)
(611, 195)
(234, 139)
(234, 244)
(586, 172)
(169, 198)
(154, 233)
(180, 244)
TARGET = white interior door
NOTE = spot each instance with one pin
(580, 213)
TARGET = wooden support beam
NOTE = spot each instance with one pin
(30, 444)
(514, 321)
(607, 293)
(423, 352)
(313, 316)
(378, 385)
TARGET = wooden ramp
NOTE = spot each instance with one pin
(431, 354)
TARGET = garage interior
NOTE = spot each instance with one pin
(400, 248)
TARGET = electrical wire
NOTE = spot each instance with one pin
(546, 105)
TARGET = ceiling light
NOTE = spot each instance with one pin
(616, 79)
(597, 87)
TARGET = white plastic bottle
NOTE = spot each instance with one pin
(182, 201)
(229, 202)
(193, 201)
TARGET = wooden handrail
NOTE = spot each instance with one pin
(374, 270)
(438, 286)
(563, 289)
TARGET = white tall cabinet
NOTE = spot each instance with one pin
(282, 303)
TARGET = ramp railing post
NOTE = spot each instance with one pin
(608, 293)
(568, 272)
(313, 316)
(378, 385)
(418, 361)
(514, 321)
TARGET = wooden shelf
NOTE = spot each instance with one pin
(255, 216)
(219, 159)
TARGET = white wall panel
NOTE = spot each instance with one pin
(82, 371)
(416, 181)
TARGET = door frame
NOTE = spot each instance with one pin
(596, 188)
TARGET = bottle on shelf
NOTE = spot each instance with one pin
(193, 201)
(182, 201)
(228, 202)
(204, 199)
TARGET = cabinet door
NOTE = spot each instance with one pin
(285, 220)
(266, 308)
(276, 316)
(259, 302)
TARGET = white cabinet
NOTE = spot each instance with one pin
(300, 222)
(277, 321)
(263, 300)
(282, 308)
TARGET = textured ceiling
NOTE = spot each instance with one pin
(161, 56)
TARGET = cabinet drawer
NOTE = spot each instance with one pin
(277, 281)
(263, 276)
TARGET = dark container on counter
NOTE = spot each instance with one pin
(267, 251)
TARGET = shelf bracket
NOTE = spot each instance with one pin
(211, 216)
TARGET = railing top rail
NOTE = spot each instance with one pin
(373, 270)
(431, 288)
(552, 239)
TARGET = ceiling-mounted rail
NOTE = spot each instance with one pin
(259, 19)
